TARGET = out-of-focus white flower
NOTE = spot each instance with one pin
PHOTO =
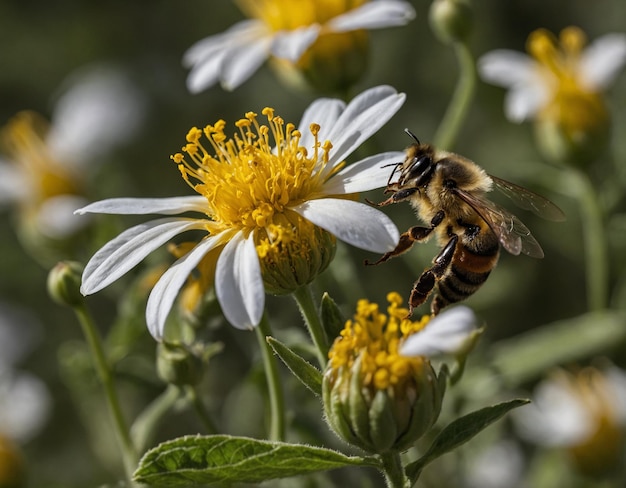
(46, 165)
(24, 398)
(284, 29)
(555, 73)
(499, 465)
(270, 210)
(583, 413)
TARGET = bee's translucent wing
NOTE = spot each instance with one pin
(513, 235)
(528, 200)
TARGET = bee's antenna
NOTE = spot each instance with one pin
(412, 136)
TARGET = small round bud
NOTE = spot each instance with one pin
(293, 254)
(451, 20)
(64, 282)
(178, 365)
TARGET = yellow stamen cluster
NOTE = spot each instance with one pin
(576, 107)
(375, 338)
(251, 178)
(291, 14)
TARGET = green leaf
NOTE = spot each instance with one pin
(226, 459)
(460, 431)
(309, 375)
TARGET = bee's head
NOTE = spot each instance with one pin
(418, 165)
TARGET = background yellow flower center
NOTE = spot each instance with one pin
(291, 14)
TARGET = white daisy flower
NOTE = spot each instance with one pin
(270, 210)
(46, 162)
(283, 29)
(555, 73)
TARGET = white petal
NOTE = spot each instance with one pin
(205, 73)
(100, 109)
(523, 102)
(143, 206)
(224, 56)
(243, 60)
(13, 185)
(373, 15)
(291, 45)
(239, 283)
(212, 45)
(367, 174)
(363, 116)
(506, 68)
(323, 111)
(355, 223)
(602, 60)
(449, 333)
(56, 219)
(166, 289)
(118, 256)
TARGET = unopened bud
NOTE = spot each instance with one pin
(451, 20)
(64, 283)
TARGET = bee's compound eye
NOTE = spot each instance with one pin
(419, 166)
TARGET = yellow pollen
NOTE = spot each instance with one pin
(254, 176)
(375, 338)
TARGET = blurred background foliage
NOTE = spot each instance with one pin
(43, 42)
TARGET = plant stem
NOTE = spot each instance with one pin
(459, 104)
(304, 299)
(146, 423)
(595, 242)
(393, 470)
(201, 410)
(274, 385)
(105, 374)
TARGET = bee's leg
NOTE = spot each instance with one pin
(410, 237)
(427, 281)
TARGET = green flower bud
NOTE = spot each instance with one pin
(573, 130)
(374, 398)
(64, 283)
(451, 20)
(12, 472)
(294, 254)
(178, 365)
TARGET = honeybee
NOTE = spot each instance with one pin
(448, 192)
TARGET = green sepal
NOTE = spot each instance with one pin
(332, 319)
(358, 407)
(459, 432)
(223, 459)
(309, 375)
(383, 425)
